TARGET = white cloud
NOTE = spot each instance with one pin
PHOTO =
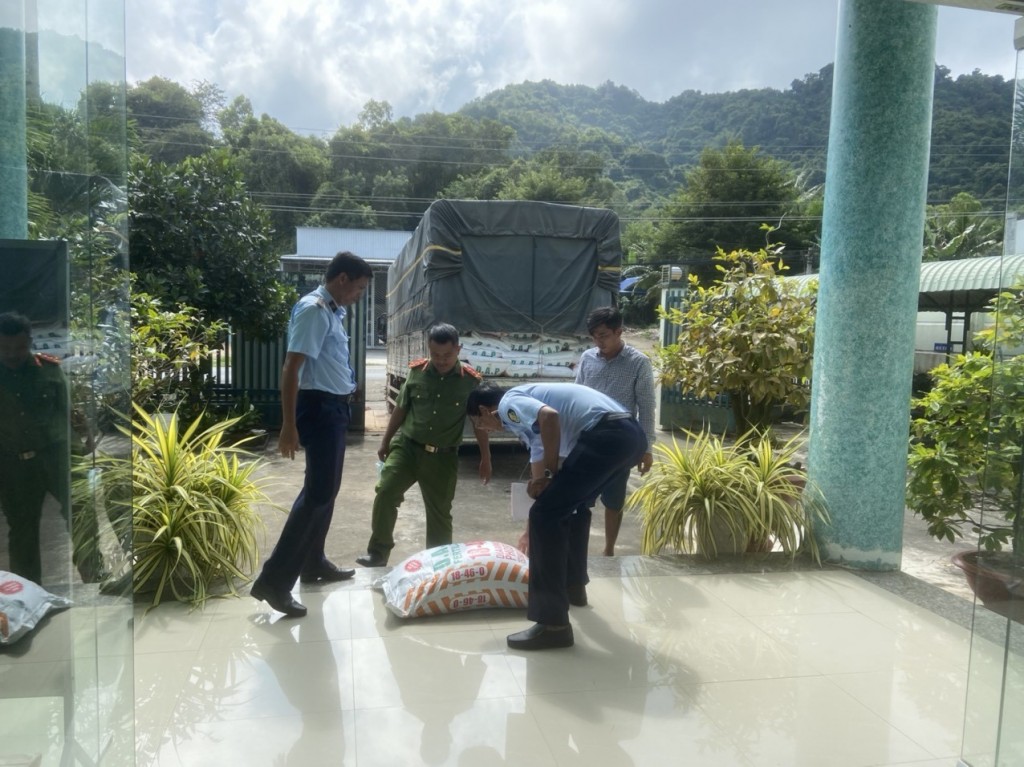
(313, 64)
(969, 40)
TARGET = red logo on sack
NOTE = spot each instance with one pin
(10, 587)
(413, 565)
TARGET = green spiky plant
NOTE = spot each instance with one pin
(706, 496)
(192, 506)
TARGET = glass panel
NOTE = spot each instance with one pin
(66, 688)
(995, 687)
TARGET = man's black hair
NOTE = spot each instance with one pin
(609, 316)
(487, 394)
(443, 333)
(14, 324)
(347, 263)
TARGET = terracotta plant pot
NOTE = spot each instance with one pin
(995, 580)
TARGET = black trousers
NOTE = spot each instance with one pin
(560, 517)
(321, 423)
(23, 486)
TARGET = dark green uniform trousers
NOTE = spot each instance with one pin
(24, 485)
(22, 490)
(436, 474)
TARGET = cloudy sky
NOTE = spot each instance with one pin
(313, 63)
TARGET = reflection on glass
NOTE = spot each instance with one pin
(34, 444)
(995, 691)
(63, 372)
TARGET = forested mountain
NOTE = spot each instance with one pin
(660, 166)
(970, 135)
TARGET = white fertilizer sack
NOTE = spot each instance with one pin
(22, 605)
(460, 576)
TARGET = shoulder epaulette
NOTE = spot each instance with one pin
(329, 305)
(49, 359)
(421, 363)
(467, 368)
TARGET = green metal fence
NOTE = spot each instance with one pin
(249, 370)
(683, 410)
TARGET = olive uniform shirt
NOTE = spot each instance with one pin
(435, 414)
(435, 404)
(33, 407)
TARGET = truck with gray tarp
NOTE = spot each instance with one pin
(516, 278)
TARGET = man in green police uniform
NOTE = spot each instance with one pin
(431, 413)
(34, 447)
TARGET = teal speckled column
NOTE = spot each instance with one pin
(872, 232)
(13, 172)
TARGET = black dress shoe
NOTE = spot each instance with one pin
(372, 559)
(578, 596)
(282, 602)
(541, 637)
(327, 572)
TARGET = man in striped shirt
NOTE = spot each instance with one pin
(624, 373)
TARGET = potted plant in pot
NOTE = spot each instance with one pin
(192, 504)
(965, 464)
(710, 497)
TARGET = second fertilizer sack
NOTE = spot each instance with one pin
(460, 576)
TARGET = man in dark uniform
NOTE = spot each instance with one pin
(579, 440)
(34, 441)
(431, 413)
(316, 384)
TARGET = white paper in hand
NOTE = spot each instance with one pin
(521, 502)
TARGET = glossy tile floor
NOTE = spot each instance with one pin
(797, 668)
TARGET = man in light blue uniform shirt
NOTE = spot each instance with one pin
(316, 384)
(596, 438)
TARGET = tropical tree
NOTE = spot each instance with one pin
(282, 170)
(638, 241)
(961, 229)
(749, 335)
(335, 207)
(559, 175)
(965, 463)
(198, 239)
(169, 119)
(543, 183)
(231, 119)
(727, 197)
(170, 347)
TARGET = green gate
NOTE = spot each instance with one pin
(252, 371)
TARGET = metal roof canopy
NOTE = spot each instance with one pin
(959, 289)
(967, 284)
(963, 285)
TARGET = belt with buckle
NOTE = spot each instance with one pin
(325, 395)
(28, 455)
(434, 448)
(616, 416)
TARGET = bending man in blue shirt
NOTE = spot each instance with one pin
(579, 439)
(316, 384)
